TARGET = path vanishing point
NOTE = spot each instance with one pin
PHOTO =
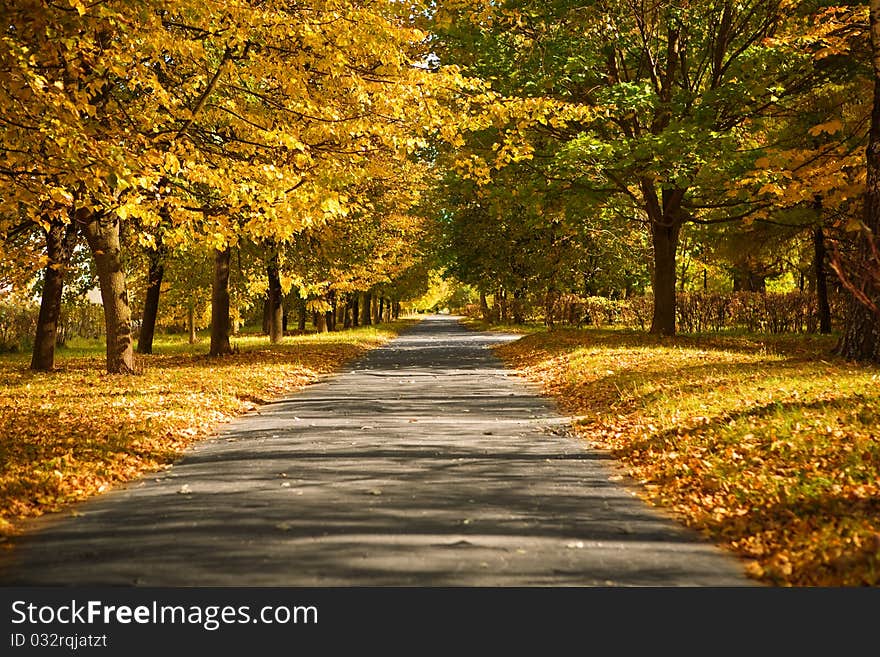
(424, 463)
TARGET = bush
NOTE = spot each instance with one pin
(696, 312)
(81, 320)
(18, 323)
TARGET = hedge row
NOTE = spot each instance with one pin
(18, 323)
(696, 312)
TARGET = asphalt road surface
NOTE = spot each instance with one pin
(425, 463)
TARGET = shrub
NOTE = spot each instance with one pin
(18, 323)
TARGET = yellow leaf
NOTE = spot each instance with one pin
(831, 127)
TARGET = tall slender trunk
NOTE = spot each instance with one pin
(60, 240)
(220, 320)
(330, 315)
(346, 318)
(518, 297)
(302, 311)
(275, 301)
(355, 309)
(395, 309)
(151, 303)
(824, 307)
(191, 324)
(366, 309)
(861, 336)
(102, 234)
(381, 311)
(484, 308)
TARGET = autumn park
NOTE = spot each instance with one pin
(472, 292)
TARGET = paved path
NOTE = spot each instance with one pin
(425, 463)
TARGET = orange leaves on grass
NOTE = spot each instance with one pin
(768, 445)
(74, 433)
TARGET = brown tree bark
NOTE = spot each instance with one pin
(666, 219)
(518, 297)
(275, 299)
(220, 320)
(861, 337)
(484, 308)
(819, 255)
(302, 313)
(151, 303)
(366, 309)
(330, 315)
(191, 324)
(60, 240)
(102, 234)
(346, 318)
(355, 309)
(395, 309)
(381, 310)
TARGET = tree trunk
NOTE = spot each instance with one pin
(266, 314)
(381, 310)
(861, 336)
(220, 320)
(821, 281)
(395, 309)
(191, 324)
(319, 320)
(549, 303)
(60, 240)
(518, 296)
(665, 241)
(301, 315)
(355, 309)
(151, 303)
(665, 216)
(330, 315)
(275, 302)
(102, 235)
(346, 317)
(366, 309)
(484, 308)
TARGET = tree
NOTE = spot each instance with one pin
(861, 338)
(667, 91)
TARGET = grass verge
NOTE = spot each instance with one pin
(519, 329)
(768, 445)
(73, 433)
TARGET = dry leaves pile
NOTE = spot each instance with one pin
(769, 446)
(73, 433)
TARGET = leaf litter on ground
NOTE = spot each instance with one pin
(769, 445)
